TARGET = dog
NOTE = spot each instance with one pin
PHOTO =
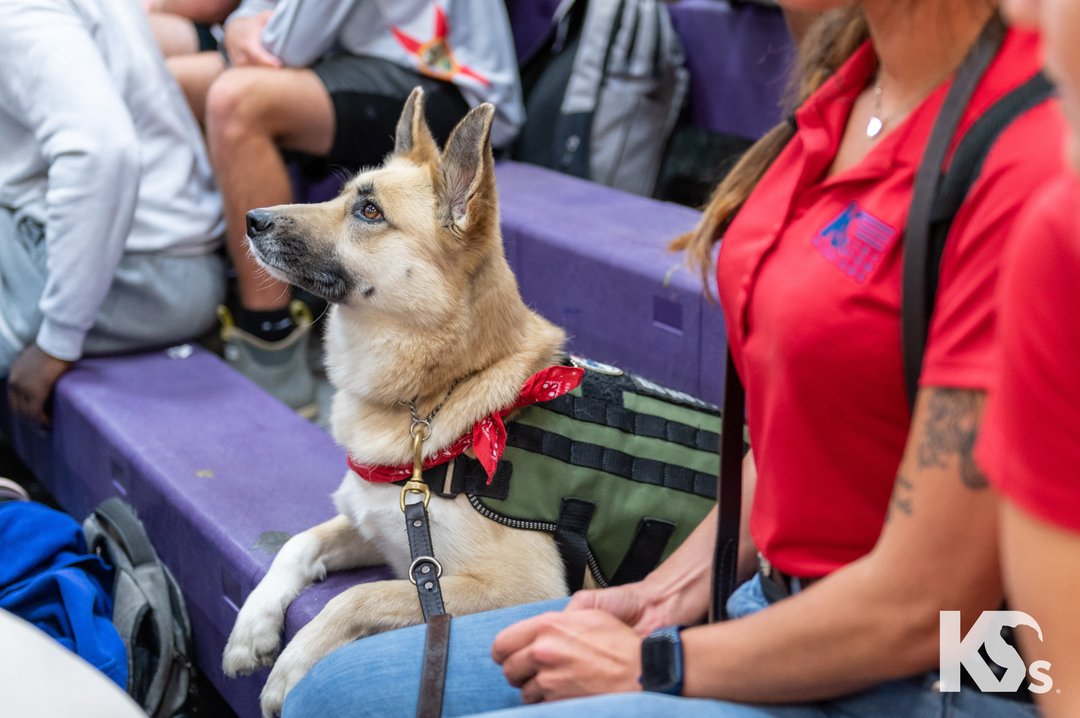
(424, 309)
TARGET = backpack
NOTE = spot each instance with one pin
(148, 611)
(620, 470)
(603, 92)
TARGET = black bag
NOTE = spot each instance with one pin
(148, 611)
(603, 93)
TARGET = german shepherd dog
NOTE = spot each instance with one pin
(425, 308)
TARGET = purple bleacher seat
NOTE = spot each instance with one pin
(594, 260)
(530, 21)
(219, 472)
(738, 54)
(739, 57)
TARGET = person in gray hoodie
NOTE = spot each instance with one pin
(109, 218)
(328, 81)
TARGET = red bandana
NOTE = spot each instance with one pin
(488, 436)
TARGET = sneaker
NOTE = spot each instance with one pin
(10, 491)
(281, 368)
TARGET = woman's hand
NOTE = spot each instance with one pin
(637, 605)
(569, 654)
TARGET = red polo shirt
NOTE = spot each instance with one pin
(809, 277)
(1030, 441)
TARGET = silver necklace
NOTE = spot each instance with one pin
(876, 124)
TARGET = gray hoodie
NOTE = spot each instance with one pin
(467, 42)
(97, 143)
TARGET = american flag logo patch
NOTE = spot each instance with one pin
(855, 241)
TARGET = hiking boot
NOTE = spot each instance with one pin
(282, 367)
(10, 491)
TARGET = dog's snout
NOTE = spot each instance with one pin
(259, 221)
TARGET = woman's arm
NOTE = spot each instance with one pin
(1040, 562)
(878, 618)
(871, 621)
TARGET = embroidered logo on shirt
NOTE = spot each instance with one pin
(855, 241)
(435, 56)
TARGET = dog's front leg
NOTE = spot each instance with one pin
(304, 559)
(361, 611)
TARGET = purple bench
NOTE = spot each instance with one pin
(594, 261)
(739, 57)
(530, 21)
(220, 473)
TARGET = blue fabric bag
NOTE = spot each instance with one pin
(47, 578)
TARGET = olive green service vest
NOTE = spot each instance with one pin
(620, 470)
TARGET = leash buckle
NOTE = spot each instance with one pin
(416, 485)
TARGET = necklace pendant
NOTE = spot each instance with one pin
(873, 127)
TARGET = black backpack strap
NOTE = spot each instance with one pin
(968, 161)
(917, 303)
(120, 520)
(728, 493)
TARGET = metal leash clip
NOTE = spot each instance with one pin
(416, 485)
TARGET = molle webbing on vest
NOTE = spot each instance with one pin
(619, 470)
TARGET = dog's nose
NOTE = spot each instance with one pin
(258, 221)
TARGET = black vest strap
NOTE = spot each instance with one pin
(605, 413)
(645, 551)
(571, 531)
(467, 476)
(611, 461)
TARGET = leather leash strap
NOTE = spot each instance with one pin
(424, 572)
(433, 671)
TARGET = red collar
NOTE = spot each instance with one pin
(488, 435)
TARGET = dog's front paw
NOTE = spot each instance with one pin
(293, 665)
(254, 641)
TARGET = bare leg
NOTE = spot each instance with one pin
(250, 114)
(195, 73)
(175, 34)
(304, 559)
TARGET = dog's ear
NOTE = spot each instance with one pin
(467, 171)
(413, 138)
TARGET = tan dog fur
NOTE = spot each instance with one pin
(421, 299)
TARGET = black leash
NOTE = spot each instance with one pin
(424, 572)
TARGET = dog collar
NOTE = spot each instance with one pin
(488, 435)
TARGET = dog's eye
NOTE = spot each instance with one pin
(371, 212)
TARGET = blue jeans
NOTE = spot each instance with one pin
(379, 677)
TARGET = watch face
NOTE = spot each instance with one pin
(660, 663)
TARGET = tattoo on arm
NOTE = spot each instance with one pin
(952, 425)
(902, 497)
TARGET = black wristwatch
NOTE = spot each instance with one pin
(662, 661)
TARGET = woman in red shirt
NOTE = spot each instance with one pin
(1030, 444)
(809, 275)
